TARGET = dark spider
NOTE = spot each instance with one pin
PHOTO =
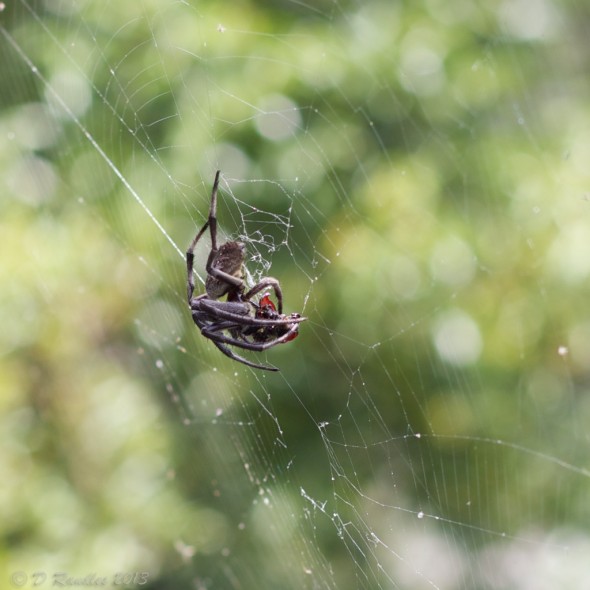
(238, 321)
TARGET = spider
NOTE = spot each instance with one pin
(238, 321)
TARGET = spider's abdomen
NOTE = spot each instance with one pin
(230, 260)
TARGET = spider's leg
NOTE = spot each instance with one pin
(216, 309)
(190, 259)
(286, 337)
(260, 346)
(220, 274)
(212, 332)
(236, 357)
(212, 221)
(264, 284)
(213, 212)
(212, 224)
(233, 311)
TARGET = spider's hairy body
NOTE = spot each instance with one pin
(238, 321)
(229, 259)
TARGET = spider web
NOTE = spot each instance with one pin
(417, 181)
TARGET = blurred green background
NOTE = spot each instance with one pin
(416, 174)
